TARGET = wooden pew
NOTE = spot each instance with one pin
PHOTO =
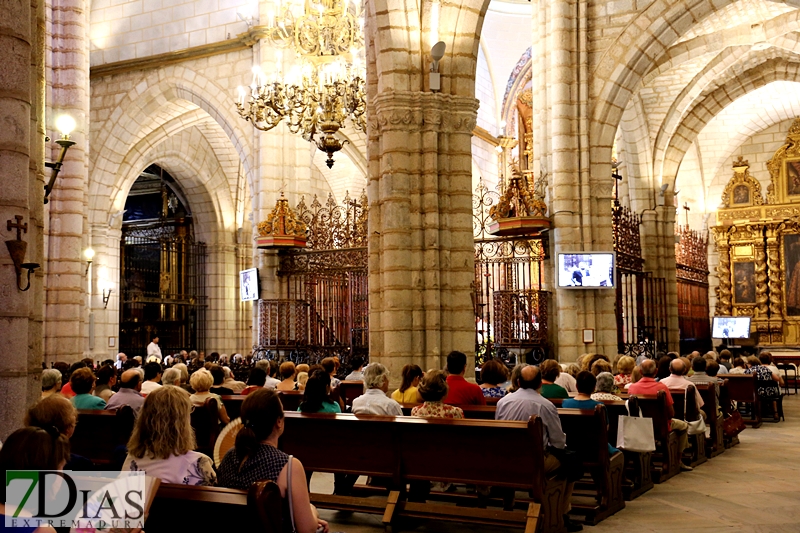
(715, 442)
(233, 404)
(695, 454)
(193, 508)
(742, 389)
(349, 391)
(205, 422)
(412, 449)
(98, 434)
(637, 473)
(726, 405)
(666, 458)
(290, 399)
(599, 494)
(638, 477)
(475, 412)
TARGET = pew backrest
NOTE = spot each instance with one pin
(741, 387)
(655, 408)
(679, 398)
(194, 508)
(99, 433)
(233, 404)
(290, 399)
(587, 433)
(350, 390)
(413, 448)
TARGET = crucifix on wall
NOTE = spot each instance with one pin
(686, 209)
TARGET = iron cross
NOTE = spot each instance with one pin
(687, 209)
(18, 225)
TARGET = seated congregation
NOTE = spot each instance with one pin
(214, 440)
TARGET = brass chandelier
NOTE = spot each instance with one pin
(325, 88)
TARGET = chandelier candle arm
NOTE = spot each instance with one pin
(326, 89)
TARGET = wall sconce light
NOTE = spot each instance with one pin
(17, 249)
(89, 255)
(65, 125)
(437, 53)
(106, 296)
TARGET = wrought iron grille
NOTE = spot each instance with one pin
(162, 288)
(325, 311)
(691, 263)
(510, 307)
(641, 307)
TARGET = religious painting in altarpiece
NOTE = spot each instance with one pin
(758, 243)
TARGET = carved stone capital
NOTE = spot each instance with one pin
(415, 111)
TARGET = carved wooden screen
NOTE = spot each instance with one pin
(324, 311)
(691, 262)
(510, 307)
(641, 308)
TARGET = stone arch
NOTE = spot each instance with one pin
(155, 100)
(702, 112)
(637, 164)
(622, 66)
(399, 30)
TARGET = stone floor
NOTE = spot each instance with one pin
(751, 488)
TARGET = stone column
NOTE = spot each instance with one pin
(21, 180)
(579, 190)
(66, 282)
(421, 257)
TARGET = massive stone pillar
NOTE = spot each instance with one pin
(579, 190)
(66, 276)
(421, 262)
(21, 185)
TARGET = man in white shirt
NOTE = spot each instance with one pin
(566, 381)
(375, 401)
(676, 380)
(152, 376)
(154, 350)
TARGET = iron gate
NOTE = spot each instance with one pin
(163, 289)
(691, 263)
(641, 304)
(324, 310)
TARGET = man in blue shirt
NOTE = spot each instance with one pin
(524, 403)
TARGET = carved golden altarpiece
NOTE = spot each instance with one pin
(758, 242)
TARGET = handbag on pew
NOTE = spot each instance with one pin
(635, 433)
(733, 425)
(696, 427)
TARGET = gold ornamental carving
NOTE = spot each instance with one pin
(282, 228)
(784, 169)
(724, 296)
(774, 271)
(743, 190)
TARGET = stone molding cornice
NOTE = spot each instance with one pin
(415, 111)
(243, 41)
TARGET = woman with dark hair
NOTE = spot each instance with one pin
(407, 393)
(255, 380)
(256, 457)
(587, 382)
(493, 373)
(31, 448)
(663, 367)
(317, 396)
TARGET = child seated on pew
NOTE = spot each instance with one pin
(586, 385)
(256, 457)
